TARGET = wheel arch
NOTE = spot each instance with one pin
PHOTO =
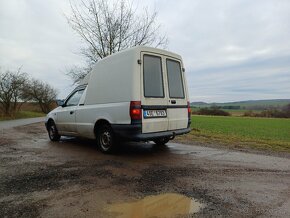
(49, 121)
(99, 123)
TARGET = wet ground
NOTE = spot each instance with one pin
(19, 122)
(72, 178)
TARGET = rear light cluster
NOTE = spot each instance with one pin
(188, 109)
(135, 110)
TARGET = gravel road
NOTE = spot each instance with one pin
(71, 178)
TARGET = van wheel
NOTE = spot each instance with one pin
(161, 141)
(52, 132)
(105, 139)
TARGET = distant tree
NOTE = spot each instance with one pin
(108, 28)
(42, 93)
(286, 110)
(12, 86)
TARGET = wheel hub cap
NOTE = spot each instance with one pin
(106, 140)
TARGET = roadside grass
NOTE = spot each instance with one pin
(23, 114)
(241, 132)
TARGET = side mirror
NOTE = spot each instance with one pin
(60, 102)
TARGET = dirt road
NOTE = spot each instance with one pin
(73, 179)
(20, 122)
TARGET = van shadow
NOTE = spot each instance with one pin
(123, 148)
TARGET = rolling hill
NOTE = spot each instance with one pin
(251, 104)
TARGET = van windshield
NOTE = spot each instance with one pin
(174, 75)
(153, 81)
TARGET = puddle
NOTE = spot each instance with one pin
(163, 205)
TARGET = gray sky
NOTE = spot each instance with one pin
(232, 50)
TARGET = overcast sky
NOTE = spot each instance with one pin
(233, 49)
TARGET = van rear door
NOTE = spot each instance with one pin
(154, 97)
(177, 109)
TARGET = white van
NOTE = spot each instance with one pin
(138, 94)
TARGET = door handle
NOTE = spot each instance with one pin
(71, 112)
(173, 102)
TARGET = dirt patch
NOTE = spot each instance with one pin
(6, 141)
(28, 208)
(73, 179)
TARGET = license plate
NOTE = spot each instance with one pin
(154, 113)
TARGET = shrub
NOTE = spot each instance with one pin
(215, 111)
(250, 113)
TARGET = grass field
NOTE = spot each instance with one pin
(24, 114)
(257, 133)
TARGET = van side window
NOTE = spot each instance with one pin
(175, 82)
(75, 98)
(153, 81)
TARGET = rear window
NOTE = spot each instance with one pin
(175, 82)
(153, 81)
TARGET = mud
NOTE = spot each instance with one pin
(163, 205)
(72, 178)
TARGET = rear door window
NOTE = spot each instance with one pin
(153, 80)
(175, 81)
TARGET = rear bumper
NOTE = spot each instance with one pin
(134, 132)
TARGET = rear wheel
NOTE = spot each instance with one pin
(105, 138)
(161, 141)
(52, 131)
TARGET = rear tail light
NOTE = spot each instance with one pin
(188, 108)
(135, 110)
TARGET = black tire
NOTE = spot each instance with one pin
(161, 141)
(52, 131)
(106, 139)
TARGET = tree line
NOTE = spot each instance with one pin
(283, 112)
(17, 88)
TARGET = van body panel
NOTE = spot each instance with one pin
(66, 121)
(178, 118)
(114, 79)
(114, 113)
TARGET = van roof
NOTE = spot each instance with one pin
(142, 48)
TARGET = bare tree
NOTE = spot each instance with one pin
(107, 28)
(42, 93)
(12, 85)
(77, 73)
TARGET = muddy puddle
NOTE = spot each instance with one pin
(163, 205)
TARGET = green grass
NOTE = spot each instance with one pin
(24, 114)
(258, 133)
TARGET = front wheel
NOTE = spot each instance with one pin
(105, 139)
(52, 132)
(161, 141)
